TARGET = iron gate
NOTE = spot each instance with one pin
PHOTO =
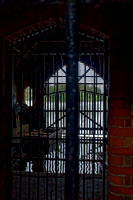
(39, 116)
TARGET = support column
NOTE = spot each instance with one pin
(72, 143)
(121, 120)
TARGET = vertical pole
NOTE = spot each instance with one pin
(72, 143)
(105, 67)
(6, 120)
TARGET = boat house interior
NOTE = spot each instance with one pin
(66, 128)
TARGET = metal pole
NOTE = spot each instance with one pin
(72, 142)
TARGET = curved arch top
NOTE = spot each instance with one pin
(52, 22)
(48, 38)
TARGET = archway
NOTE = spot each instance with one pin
(40, 142)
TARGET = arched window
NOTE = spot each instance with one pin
(28, 96)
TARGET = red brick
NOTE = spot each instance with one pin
(117, 122)
(115, 197)
(121, 150)
(116, 103)
(116, 141)
(128, 142)
(132, 180)
(127, 180)
(128, 161)
(120, 170)
(118, 180)
(123, 132)
(128, 123)
(115, 160)
(119, 112)
(121, 190)
(132, 160)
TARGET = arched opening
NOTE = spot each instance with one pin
(39, 143)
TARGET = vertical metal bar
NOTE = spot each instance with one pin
(12, 110)
(44, 97)
(105, 65)
(48, 115)
(37, 124)
(9, 102)
(72, 143)
(57, 126)
(93, 131)
(31, 94)
(54, 96)
(29, 156)
(21, 135)
(84, 189)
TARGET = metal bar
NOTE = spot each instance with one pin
(83, 75)
(7, 173)
(29, 156)
(72, 143)
(59, 41)
(105, 66)
(21, 134)
(54, 54)
(48, 107)
(58, 120)
(63, 70)
(84, 189)
(93, 126)
(57, 126)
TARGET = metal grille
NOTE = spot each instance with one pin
(39, 110)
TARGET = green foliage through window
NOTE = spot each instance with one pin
(28, 95)
(86, 93)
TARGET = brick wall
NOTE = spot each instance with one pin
(120, 149)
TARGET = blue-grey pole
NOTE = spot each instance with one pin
(72, 142)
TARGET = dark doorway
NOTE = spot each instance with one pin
(39, 116)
